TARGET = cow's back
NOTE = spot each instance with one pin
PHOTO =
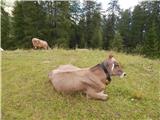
(68, 81)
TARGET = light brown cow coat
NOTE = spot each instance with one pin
(92, 81)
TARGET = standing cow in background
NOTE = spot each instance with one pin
(37, 43)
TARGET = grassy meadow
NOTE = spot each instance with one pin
(27, 94)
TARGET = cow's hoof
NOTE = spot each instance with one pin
(104, 97)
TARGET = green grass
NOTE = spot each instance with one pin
(27, 94)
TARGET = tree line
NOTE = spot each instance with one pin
(71, 24)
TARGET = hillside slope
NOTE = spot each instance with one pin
(27, 94)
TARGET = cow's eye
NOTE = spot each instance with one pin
(116, 65)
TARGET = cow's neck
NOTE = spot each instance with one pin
(102, 73)
(108, 77)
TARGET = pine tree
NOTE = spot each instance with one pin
(156, 17)
(111, 21)
(5, 28)
(92, 25)
(82, 32)
(75, 13)
(88, 7)
(28, 22)
(97, 40)
(18, 25)
(138, 26)
(117, 43)
(51, 19)
(151, 43)
(124, 27)
(63, 24)
(104, 31)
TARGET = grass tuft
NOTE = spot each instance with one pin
(138, 94)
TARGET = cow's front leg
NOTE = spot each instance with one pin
(91, 93)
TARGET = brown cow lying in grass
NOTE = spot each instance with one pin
(92, 81)
(37, 43)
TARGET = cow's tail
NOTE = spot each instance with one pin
(48, 47)
(50, 75)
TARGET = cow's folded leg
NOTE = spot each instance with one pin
(102, 94)
(88, 97)
(90, 93)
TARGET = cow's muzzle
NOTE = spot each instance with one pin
(123, 74)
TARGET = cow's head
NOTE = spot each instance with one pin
(114, 67)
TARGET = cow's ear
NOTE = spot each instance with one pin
(110, 56)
